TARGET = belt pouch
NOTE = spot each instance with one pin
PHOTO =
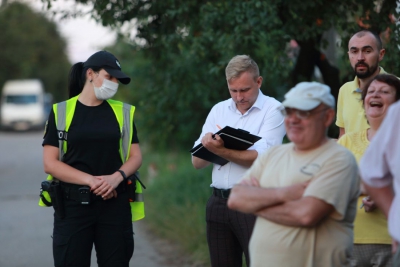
(57, 199)
(84, 195)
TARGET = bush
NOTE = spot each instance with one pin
(175, 200)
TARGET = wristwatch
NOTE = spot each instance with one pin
(123, 174)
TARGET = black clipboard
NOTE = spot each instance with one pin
(237, 139)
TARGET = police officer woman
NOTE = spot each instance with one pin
(92, 168)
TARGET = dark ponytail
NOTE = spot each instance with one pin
(77, 78)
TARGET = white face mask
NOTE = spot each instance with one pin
(107, 90)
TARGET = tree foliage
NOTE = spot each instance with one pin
(32, 48)
(183, 47)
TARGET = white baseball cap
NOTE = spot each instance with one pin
(308, 95)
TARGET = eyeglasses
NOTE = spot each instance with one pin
(301, 114)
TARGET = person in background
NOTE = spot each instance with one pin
(372, 243)
(365, 53)
(380, 173)
(93, 165)
(228, 231)
(303, 193)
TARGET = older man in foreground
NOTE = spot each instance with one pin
(305, 192)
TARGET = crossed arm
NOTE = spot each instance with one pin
(283, 205)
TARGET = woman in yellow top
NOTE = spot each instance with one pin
(372, 243)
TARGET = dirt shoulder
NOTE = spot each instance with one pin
(153, 251)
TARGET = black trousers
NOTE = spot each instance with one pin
(228, 233)
(105, 223)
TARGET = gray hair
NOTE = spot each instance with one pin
(239, 64)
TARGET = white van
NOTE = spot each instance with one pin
(22, 105)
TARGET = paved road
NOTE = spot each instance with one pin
(25, 228)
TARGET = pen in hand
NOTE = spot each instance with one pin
(362, 204)
(213, 136)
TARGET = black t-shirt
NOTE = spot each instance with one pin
(93, 139)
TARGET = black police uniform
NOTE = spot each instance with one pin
(92, 147)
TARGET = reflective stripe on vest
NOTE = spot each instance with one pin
(64, 113)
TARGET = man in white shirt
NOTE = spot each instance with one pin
(380, 172)
(228, 231)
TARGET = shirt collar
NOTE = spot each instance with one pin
(357, 81)
(261, 98)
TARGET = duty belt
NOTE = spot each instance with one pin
(83, 194)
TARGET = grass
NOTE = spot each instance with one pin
(175, 201)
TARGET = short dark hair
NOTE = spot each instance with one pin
(376, 35)
(389, 79)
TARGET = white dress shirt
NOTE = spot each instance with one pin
(263, 119)
(380, 165)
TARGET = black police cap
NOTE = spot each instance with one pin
(109, 63)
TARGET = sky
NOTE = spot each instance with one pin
(84, 35)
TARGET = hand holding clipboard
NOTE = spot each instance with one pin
(233, 139)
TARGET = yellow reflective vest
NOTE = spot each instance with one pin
(64, 112)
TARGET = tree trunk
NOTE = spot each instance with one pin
(309, 57)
